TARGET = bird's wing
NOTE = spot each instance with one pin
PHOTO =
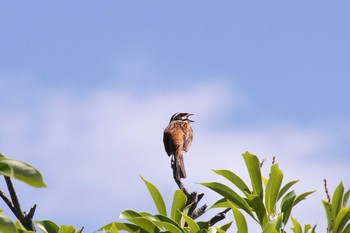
(166, 143)
(188, 137)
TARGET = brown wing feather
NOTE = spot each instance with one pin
(188, 137)
(166, 143)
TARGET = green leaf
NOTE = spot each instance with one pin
(179, 202)
(253, 166)
(287, 204)
(236, 180)
(6, 225)
(307, 228)
(259, 208)
(346, 198)
(296, 226)
(328, 209)
(285, 188)
(347, 228)
(221, 203)
(66, 229)
(194, 227)
(279, 221)
(273, 188)
(145, 224)
(129, 214)
(47, 226)
(230, 195)
(157, 197)
(341, 219)
(170, 221)
(166, 224)
(241, 223)
(270, 228)
(113, 229)
(302, 197)
(21, 171)
(124, 227)
(337, 199)
(226, 226)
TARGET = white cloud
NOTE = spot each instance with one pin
(92, 149)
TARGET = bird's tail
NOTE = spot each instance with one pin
(180, 171)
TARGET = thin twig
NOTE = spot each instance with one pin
(326, 190)
(7, 200)
(25, 219)
(220, 216)
(262, 162)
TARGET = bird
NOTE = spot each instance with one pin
(177, 139)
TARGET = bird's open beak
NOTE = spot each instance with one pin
(188, 118)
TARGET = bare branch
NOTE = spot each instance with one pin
(220, 216)
(25, 219)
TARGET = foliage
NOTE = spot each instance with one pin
(261, 201)
(21, 171)
(177, 222)
(268, 201)
(337, 211)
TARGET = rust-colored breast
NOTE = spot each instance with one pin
(177, 137)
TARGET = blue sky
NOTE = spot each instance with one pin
(88, 87)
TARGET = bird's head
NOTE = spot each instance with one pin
(182, 116)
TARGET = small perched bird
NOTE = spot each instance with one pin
(177, 139)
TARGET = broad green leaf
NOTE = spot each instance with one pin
(265, 180)
(285, 188)
(346, 198)
(113, 229)
(21, 171)
(66, 229)
(236, 180)
(157, 197)
(287, 204)
(337, 199)
(129, 214)
(296, 226)
(6, 225)
(253, 166)
(145, 224)
(279, 221)
(226, 226)
(215, 230)
(221, 203)
(145, 214)
(170, 221)
(47, 226)
(347, 228)
(194, 227)
(5, 169)
(179, 202)
(302, 197)
(230, 195)
(270, 228)
(241, 223)
(273, 188)
(167, 227)
(328, 209)
(341, 219)
(203, 225)
(259, 208)
(123, 226)
(307, 228)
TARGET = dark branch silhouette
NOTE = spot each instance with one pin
(193, 198)
(25, 219)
